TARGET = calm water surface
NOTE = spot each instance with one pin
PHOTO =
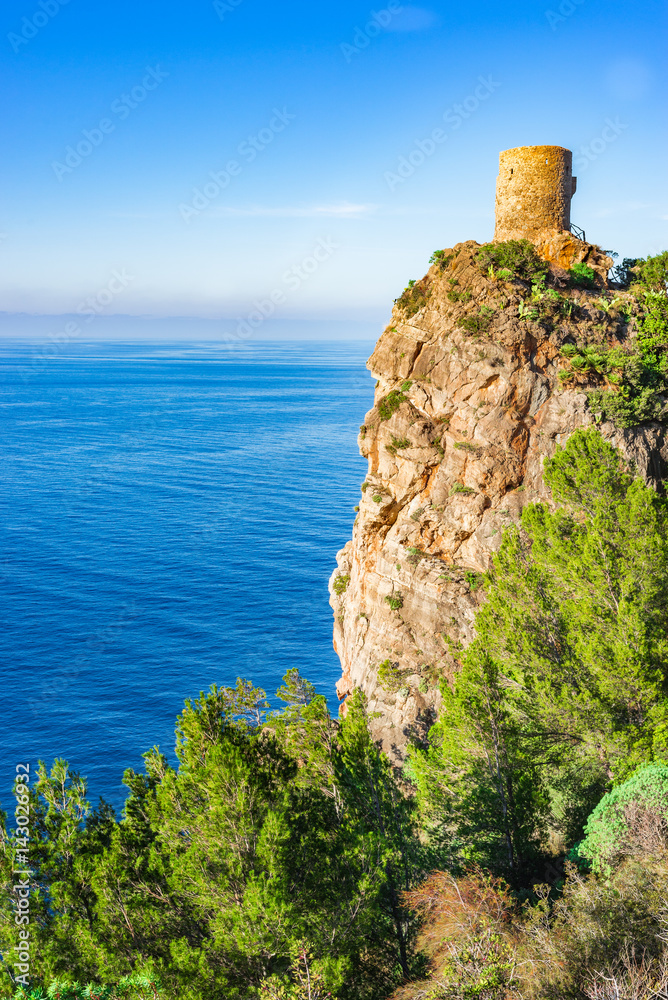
(170, 517)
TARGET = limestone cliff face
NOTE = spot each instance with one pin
(468, 403)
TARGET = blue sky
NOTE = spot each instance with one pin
(116, 117)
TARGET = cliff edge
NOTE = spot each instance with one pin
(481, 374)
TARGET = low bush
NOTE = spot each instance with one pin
(582, 276)
(397, 445)
(632, 818)
(340, 584)
(441, 258)
(413, 297)
(390, 404)
(515, 258)
(390, 676)
(458, 296)
(415, 555)
(650, 274)
(479, 323)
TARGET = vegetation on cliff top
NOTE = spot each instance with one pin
(283, 858)
(642, 391)
(626, 379)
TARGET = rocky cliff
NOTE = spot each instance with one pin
(474, 390)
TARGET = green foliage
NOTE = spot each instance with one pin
(466, 491)
(395, 601)
(273, 834)
(415, 555)
(458, 296)
(527, 311)
(564, 687)
(592, 359)
(634, 814)
(650, 274)
(478, 324)
(389, 675)
(466, 446)
(390, 404)
(296, 690)
(517, 258)
(397, 445)
(302, 981)
(414, 297)
(441, 258)
(127, 988)
(340, 584)
(582, 276)
(640, 380)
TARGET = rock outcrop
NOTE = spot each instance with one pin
(468, 404)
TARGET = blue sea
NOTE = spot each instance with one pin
(170, 518)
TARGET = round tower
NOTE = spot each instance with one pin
(533, 192)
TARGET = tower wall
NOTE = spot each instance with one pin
(533, 192)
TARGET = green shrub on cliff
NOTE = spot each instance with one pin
(390, 404)
(414, 297)
(517, 257)
(340, 584)
(582, 276)
(641, 391)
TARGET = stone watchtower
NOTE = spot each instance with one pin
(533, 193)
